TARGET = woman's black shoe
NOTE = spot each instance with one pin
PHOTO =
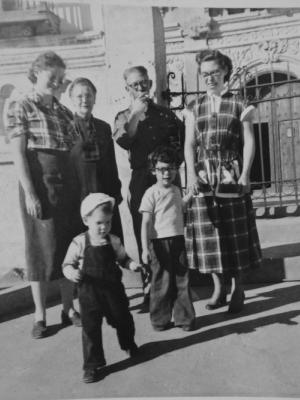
(221, 302)
(237, 302)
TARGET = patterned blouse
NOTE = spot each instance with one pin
(44, 127)
(219, 144)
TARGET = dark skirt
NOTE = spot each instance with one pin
(88, 175)
(47, 238)
(221, 235)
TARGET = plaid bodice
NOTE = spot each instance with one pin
(219, 141)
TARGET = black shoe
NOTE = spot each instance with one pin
(90, 375)
(74, 320)
(133, 351)
(221, 302)
(190, 327)
(237, 302)
(146, 300)
(160, 328)
(39, 330)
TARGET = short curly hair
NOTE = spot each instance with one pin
(221, 59)
(45, 60)
(164, 154)
(83, 82)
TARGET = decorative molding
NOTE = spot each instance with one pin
(254, 36)
(174, 47)
(266, 51)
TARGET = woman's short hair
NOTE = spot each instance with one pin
(215, 55)
(138, 68)
(164, 154)
(83, 82)
(45, 60)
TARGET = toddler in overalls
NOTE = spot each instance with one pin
(91, 261)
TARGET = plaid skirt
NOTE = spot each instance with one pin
(221, 235)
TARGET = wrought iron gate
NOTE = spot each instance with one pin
(275, 175)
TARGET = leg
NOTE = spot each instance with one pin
(91, 315)
(238, 295)
(218, 298)
(39, 294)
(118, 315)
(163, 288)
(184, 313)
(69, 315)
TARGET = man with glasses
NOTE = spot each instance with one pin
(140, 129)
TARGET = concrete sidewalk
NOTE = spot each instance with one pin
(280, 241)
(255, 353)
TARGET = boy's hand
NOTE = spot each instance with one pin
(146, 257)
(188, 196)
(72, 274)
(133, 266)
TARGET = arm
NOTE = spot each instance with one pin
(189, 152)
(33, 204)
(248, 154)
(145, 236)
(186, 199)
(121, 256)
(113, 171)
(176, 138)
(17, 126)
(71, 263)
(126, 123)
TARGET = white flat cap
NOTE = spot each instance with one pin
(93, 200)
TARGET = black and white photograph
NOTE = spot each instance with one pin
(149, 199)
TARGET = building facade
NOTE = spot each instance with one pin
(98, 42)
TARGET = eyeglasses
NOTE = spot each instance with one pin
(214, 74)
(135, 85)
(162, 170)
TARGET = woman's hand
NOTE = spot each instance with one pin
(193, 184)
(33, 205)
(244, 181)
(134, 266)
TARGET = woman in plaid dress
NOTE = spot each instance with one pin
(221, 235)
(42, 133)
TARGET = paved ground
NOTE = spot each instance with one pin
(254, 354)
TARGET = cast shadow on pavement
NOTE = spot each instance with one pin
(152, 350)
(266, 301)
(262, 302)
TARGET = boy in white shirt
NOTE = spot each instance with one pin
(91, 261)
(164, 247)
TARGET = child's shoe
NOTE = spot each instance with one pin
(190, 327)
(74, 320)
(39, 330)
(90, 375)
(160, 328)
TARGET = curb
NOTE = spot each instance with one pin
(17, 298)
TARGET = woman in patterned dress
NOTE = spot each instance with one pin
(221, 235)
(42, 133)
